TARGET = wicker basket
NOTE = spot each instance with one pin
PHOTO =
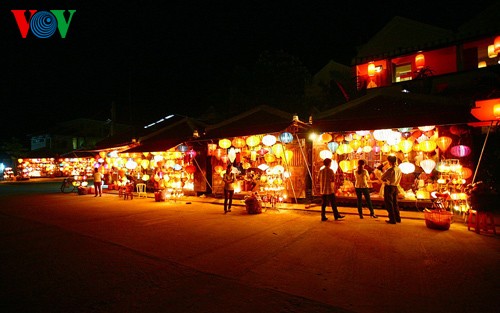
(438, 219)
(253, 205)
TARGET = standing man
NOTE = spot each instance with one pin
(326, 188)
(229, 178)
(97, 182)
(392, 178)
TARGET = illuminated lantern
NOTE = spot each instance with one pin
(376, 149)
(231, 154)
(426, 128)
(427, 165)
(182, 148)
(355, 144)
(382, 134)
(191, 153)
(345, 165)
(262, 151)
(427, 145)
(325, 137)
(367, 149)
(407, 167)
(344, 149)
(211, 147)
(131, 164)
(419, 61)
(286, 137)
(443, 143)
(496, 44)
(144, 164)
(253, 155)
(339, 138)
(487, 110)
(325, 154)
(466, 172)
(460, 151)
(102, 154)
(263, 167)
(269, 140)
(491, 52)
(218, 169)
(362, 132)
(334, 166)
(371, 69)
(190, 169)
(386, 148)
(278, 150)
(288, 155)
(239, 142)
(269, 158)
(145, 177)
(224, 143)
(252, 141)
(333, 146)
(405, 145)
(278, 169)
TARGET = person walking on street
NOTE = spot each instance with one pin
(326, 187)
(97, 182)
(362, 188)
(229, 179)
(392, 178)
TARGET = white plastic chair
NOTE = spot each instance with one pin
(141, 190)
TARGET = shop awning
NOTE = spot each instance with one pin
(393, 109)
(260, 120)
(169, 136)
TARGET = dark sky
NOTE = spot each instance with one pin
(162, 57)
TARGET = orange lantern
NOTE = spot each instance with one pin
(487, 110)
(443, 143)
(466, 172)
(239, 142)
(190, 169)
(325, 137)
(419, 61)
(371, 69)
(496, 43)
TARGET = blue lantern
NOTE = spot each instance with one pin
(182, 148)
(333, 145)
(286, 137)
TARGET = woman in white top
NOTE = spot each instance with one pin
(363, 189)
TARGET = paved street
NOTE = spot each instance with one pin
(77, 253)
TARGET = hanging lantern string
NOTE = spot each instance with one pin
(199, 168)
(289, 179)
(305, 160)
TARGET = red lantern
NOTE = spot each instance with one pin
(496, 43)
(419, 61)
(190, 169)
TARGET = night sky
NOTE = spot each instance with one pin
(154, 58)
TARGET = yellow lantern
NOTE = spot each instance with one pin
(278, 150)
(224, 143)
(344, 149)
(427, 145)
(405, 145)
(269, 157)
(252, 141)
(345, 166)
(355, 144)
(288, 156)
(386, 148)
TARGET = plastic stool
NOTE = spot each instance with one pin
(483, 220)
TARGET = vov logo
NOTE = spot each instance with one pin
(43, 24)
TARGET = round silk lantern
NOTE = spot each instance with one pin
(426, 128)
(191, 169)
(182, 148)
(466, 172)
(427, 145)
(288, 155)
(224, 143)
(286, 137)
(334, 166)
(278, 150)
(405, 145)
(344, 149)
(269, 158)
(325, 137)
(382, 134)
(238, 142)
(269, 140)
(252, 141)
(443, 143)
(355, 144)
(333, 146)
(325, 154)
(460, 151)
(407, 167)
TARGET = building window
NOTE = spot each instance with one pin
(403, 72)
